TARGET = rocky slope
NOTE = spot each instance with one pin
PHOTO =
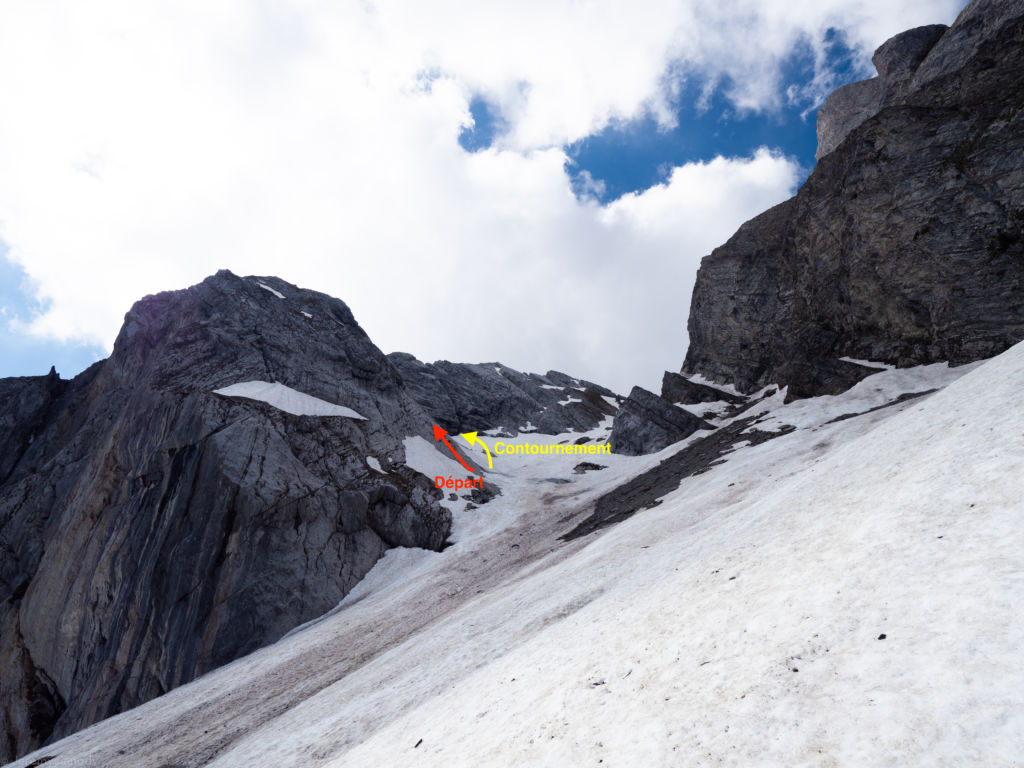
(473, 397)
(152, 530)
(906, 243)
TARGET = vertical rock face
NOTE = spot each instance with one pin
(906, 243)
(152, 530)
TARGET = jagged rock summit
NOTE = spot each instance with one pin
(153, 529)
(905, 245)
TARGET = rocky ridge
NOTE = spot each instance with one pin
(465, 397)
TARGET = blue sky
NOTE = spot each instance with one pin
(564, 167)
(23, 354)
(633, 155)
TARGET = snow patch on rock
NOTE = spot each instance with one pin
(286, 399)
(268, 288)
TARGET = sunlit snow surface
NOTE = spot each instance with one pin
(286, 399)
(737, 623)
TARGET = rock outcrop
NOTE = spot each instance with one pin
(647, 423)
(676, 388)
(896, 62)
(24, 404)
(906, 243)
(472, 397)
(152, 530)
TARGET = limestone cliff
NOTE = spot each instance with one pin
(906, 243)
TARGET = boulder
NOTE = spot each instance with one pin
(647, 423)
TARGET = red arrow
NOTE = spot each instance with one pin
(439, 434)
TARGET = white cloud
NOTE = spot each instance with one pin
(145, 145)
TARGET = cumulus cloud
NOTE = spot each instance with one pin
(145, 145)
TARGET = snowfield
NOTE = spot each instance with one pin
(846, 594)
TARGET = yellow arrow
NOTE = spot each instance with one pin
(472, 439)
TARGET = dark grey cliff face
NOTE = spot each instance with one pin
(24, 406)
(471, 397)
(905, 245)
(152, 530)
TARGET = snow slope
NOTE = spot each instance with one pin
(740, 622)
